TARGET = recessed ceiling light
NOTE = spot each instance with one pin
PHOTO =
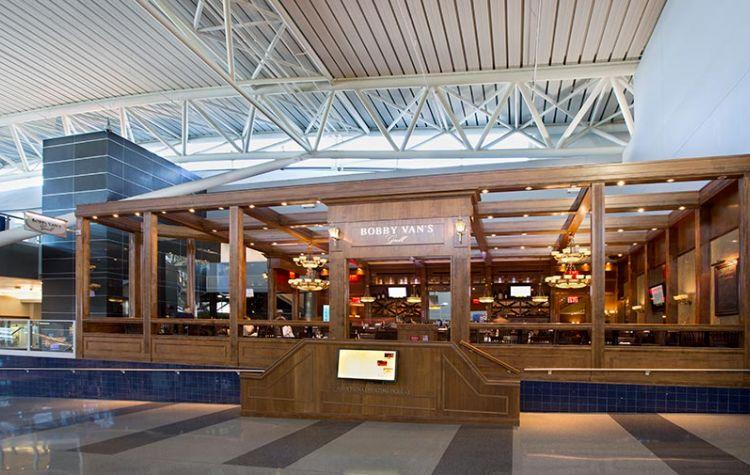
(654, 229)
(670, 180)
(192, 210)
(221, 208)
(523, 234)
(115, 215)
(163, 212)
(251, 206)
(95, 217)
(523, 247)
(490, 217)
(635, 243)
(274, 243)
(265, 228)
(485, 191)
(619, 255)
(214, 231)
(493, 235)
(620, 230)
(528, 188)
(283, 203)
(621, 183)
(681, 208)
(496, 248)
(252, 244)
(641, 210)
(137, 213)
(525, 215)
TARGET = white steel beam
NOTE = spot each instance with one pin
(624, 106)
(184, 126)
(324, 119)
(529, 100)
(376, 118)
(593, 96)
(440, 93)
(146, 125)
(207, 117)
(495, 114)
(19, 147)
(229, 37)
(415, 118)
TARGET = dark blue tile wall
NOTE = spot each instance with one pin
(93, 168)
(166, 386)
(547, 396)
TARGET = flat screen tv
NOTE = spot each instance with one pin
(520, 291)
(397, 292)
(657, 295)
(368, 365)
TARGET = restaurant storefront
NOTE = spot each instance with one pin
(472, 281)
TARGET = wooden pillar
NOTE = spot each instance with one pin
(271, 290)
(671, 270)
(368, 278)
(135, 241)
(237, 277)
(632, 298)
(645, 314)
(424, 293)
(460, 293)
(149, 276)
(702, 299)
(83, 279)
(191, 304)
(744, 261)
(338, 295)
(598, 261)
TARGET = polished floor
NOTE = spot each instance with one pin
(100, 437)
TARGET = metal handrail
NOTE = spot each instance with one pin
(141, 370)
(493, 359)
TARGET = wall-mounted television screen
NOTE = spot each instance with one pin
(657, 295)
(397, 292)
(369, 365)
(520, 291)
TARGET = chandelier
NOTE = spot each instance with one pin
(309, 261)
(572, 254)
(309, 282)
(570, 279)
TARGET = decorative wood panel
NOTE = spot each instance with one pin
(517, 308)
(191, 350)
(262, 352)
(399, 309)
(435, 382)
(114, 347)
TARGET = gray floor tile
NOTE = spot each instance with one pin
(478, 450)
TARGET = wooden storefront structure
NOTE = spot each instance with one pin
(439, 201)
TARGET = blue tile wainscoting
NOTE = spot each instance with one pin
(167, 386)
(548, 396)
(224, 387)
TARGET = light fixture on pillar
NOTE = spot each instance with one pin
(460, 225)
(682, 299)
(335, 234)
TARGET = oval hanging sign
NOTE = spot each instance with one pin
(44, 224)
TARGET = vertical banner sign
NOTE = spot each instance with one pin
(44, 224)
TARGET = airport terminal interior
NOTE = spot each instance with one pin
(374, 236)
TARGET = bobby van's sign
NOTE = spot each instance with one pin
(45, 224)
(394, 233)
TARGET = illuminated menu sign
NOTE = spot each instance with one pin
(369, 365)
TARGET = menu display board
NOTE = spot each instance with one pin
(368, 365)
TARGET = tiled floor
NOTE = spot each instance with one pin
(100, 437)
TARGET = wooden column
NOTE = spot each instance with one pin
(598, 260)
(424, 293)
(632, 297)
(744, 261)
(295, 304)
(271, 291)
(149, 276)
(338, 295)
(237, 277)
(671, 270)
(135, 241)
(460, 293)
(645, 314)
(83, 279)
(191, 304)
(702, 299)
(368, 278)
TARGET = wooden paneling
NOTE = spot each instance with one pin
(263, 352)
(149, 275)
(671, 272)
(530, 356)
(434, 382)
(725, 214)
(460, 294)
(598, 259)
(744, 261)
(135, 243)
(112, 346)
(83, 278)
(190, 264)
(237, 276)
(203, 350)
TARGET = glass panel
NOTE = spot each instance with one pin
(440, 306)
(14, 335)
(52, 336)
(211, 280)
